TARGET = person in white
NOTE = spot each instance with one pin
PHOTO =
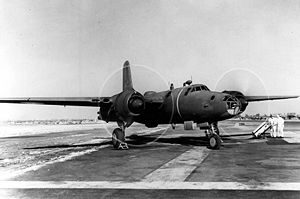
(280, 122)
(271, 123)
(275, 127)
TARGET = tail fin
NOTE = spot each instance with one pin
(127, 81)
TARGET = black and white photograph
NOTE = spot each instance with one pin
(149, 99)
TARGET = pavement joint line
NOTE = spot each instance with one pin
(179, 168)
(271, 186)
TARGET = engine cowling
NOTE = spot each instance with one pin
(129, 103)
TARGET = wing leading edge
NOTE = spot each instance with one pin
(62, 101)
(263, 98)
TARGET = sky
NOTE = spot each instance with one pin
(65, 48)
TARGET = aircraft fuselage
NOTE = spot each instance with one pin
(184, 104)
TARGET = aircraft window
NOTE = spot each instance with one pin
(233, 105)
(197, 88)
(204, 88)
(225, 98)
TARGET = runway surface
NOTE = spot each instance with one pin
(161, 163)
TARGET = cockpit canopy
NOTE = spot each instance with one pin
(199, 87)
(196, 88)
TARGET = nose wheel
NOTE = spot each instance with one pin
(214, 140)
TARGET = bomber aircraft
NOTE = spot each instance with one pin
(190, 103)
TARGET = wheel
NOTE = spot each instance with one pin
(214, 141)
(118, 137)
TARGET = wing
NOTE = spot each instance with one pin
(62, 101)
(263, 98)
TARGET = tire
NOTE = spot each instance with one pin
(118, 136)
(214, 142)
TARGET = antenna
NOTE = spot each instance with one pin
(172, 86)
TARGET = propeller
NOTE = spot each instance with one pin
(241, 82)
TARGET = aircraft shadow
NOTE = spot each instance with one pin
(139, 140)
(70, 145)
(23, 137)
(183, 140)
(236, 135)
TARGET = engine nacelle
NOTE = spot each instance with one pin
(105, 106)
(129, 103)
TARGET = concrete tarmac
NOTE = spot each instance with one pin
(161, 163)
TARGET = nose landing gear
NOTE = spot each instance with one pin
(214, 140)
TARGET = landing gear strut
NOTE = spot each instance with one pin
(214, 139)
(118, 137)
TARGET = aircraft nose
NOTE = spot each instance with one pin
(233, 105)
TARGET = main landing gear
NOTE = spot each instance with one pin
(212, 134)
(118, 137)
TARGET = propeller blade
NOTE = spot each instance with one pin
(242, 80)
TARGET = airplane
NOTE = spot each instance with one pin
(191, 103)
